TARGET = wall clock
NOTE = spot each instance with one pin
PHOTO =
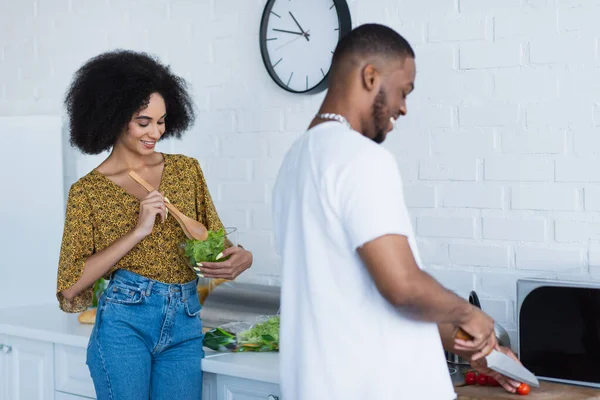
(297, 40)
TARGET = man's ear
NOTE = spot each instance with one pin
(370, 77)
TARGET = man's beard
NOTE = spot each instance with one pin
(380, 119)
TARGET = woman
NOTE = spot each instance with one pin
(147, 339)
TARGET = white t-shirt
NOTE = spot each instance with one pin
(340, 339)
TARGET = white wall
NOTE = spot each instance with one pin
(32, 203)
(499, 151)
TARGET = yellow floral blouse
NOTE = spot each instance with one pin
(99, 212)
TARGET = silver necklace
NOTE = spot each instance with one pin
(335, 117)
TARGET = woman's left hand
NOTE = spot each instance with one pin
(239, 260)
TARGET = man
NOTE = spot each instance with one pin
(360, 319)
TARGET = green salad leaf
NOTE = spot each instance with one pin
(265, 331)
(219, 340)
(99, 287)
(206, 250)
(261, 337)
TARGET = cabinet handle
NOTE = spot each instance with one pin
(5, 349)
(272, 397)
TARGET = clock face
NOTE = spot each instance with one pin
(298, 38)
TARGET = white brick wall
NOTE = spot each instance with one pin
(576, 231)
(490, 55)
(544, 197)
(448, 169)
(450, 227)
(488, 114)
(549, 259)
(499, 152)
(534, 141)
(456, 28)
(578, 170)
(518, 168)
(525, 24)
(464, 141)
(420, 196)
(591, 198)
(473, 196)
(480, 254)
(514, 229)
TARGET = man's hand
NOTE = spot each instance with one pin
(448, 333)
(480, 366)
(481, 327)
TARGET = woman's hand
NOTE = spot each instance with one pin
(480, 366)
(239, 260)
(151, 206)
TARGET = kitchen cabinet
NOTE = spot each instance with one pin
(73, 381)
(44, 357)
(26, 368)
(32, 370)
(72, 375)
(233, 388)
(209, 386)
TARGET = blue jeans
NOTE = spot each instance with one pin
(147, 340)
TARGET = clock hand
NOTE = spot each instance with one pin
(295, 33)
(293, 40)
(303, 33)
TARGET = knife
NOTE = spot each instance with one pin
(503, 364)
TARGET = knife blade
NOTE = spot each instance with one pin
(503, 364)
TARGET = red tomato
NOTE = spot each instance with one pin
(492, 381)
(470, 378)
(482, 380)
(523, 389)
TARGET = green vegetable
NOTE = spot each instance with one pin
(219, 340)
(261, 337)
(257, 333)
(206, 250)
(99, 287)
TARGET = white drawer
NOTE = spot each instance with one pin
(231, 388)
(71, 372)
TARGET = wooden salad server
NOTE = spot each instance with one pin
(193, 229)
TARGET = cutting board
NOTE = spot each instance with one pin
(546, 391)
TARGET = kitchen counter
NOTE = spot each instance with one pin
(48, 323)
(547, 391)
(262, 367)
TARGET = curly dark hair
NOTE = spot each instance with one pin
(111, 87)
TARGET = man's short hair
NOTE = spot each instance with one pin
(372, 40)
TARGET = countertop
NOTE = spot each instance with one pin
(546, 391)
(49, 324)
(256, 366)
(46, 323)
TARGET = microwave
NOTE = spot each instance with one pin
(559, 330)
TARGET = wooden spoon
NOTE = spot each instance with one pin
(192, 228)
